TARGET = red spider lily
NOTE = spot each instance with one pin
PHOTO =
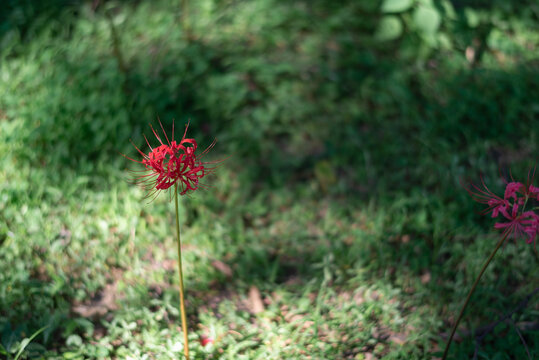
(172, 162)
(518, 222)
(519, 225)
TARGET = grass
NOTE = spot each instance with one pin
(336, 229)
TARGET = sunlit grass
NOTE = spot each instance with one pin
(337, 228)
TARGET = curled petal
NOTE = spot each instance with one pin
(511, 190)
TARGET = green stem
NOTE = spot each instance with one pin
(470, 294)
(182, 303)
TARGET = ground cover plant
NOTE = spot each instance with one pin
(337, 228)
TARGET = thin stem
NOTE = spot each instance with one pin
(470, 294)
(182, 303)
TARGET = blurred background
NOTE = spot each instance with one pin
(337, 228)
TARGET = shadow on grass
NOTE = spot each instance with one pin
(353, 122)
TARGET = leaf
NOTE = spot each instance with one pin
(472, 18)
(70, 355)
(25, 342)
(74, 340)
(444, 41)
(389, 28)
(9, 337)
(396, 6)
(448, 10)
(427, 19)
(222, 268)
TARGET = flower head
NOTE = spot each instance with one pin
(516, 220)
(172, 163)
(206, 340)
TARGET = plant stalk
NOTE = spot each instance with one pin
(180, 272)
(446, 351)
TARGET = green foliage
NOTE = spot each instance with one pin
(396, 6)
(348, 129)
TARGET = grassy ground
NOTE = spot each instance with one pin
(337, 228)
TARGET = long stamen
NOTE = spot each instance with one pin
(164, 132)
(186, 127)
(155, 133)
(147, 142)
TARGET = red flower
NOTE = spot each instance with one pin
(206, 340)
(172, 163)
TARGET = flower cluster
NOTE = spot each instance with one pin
(519, 219)
(172, 163)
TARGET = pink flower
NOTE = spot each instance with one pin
(529, 191)
(172, 163)
(534, 192)
(517, 222)
(520, 225)
(485, 196)
(511, 190)
(533, 229)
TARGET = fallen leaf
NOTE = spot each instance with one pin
(398, 339)
(255, 300)
(222, 268)
(104, 302)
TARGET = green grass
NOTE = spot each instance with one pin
(340, 201)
